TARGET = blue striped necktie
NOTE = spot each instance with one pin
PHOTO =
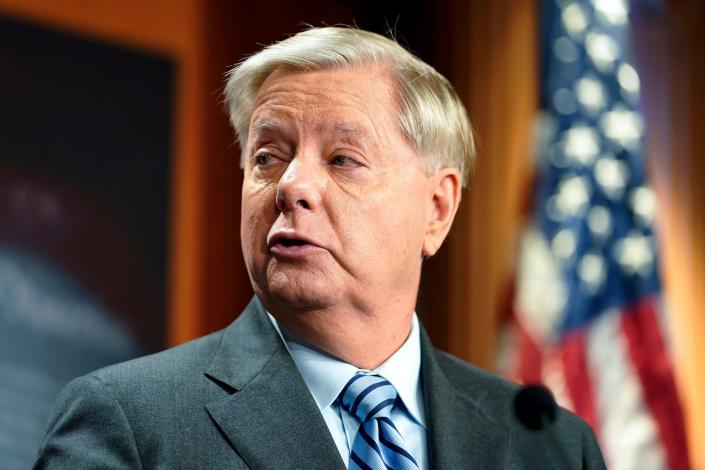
(377, 445)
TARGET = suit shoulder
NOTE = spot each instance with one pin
(494, 395)
(168, 365)
(116, 414)
(497, 394)
(469, 378)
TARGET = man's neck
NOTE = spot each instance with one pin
(363, 340)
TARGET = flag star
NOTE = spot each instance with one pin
(613, 11)
(564, 244)
(565, 50)
(574, 19)
(564, 101)
(623, 127)
(557, 156)
(591, 94)
(635, 255)
(628, 79)
(545, 129)
(599, 222)
(592, 272)
(643, 202)
(611, 174)
(603, 50)
(573, 195)
(581, 143)
(553, 210)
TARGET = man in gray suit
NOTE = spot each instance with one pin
(354, 152)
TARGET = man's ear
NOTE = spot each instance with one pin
(444, 194)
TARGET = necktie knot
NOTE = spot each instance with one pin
(378, 443)
(368, 397)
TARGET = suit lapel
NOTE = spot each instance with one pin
(461, 434)
(269, 417)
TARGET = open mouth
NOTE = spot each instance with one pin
(292, 245)
(288, 242)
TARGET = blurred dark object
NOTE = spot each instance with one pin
(535, 407)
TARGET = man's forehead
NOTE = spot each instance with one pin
(345, 130)
(347, 102)
(364, 83)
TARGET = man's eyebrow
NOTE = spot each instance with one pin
(351, 132)
(265, 125)
(347, 128)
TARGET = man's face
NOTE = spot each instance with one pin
(334, 198)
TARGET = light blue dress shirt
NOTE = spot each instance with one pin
(326, 375)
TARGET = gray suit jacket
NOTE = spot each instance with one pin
(235, 399)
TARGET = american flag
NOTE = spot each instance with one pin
(589, 317)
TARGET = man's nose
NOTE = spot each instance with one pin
(300, 186)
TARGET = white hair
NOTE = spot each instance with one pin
(431, 115)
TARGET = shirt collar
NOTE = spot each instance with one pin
(403, 370)
(326, 375)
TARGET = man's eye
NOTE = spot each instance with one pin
(263, 158)
(342, 160)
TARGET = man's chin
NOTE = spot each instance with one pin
(298, 299)
(298, 289)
